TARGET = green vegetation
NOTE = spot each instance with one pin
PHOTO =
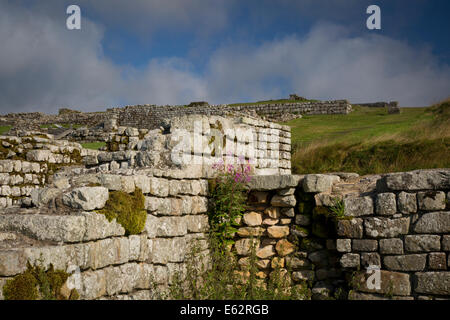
(270, 101)
(219, 276)
(4, 129)
(127, 209)
(369, 140)
(93, 145)
(36, 283)
(228, 198)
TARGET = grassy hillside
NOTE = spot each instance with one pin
(369, 140)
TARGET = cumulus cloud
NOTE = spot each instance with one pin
(330, 63)
(43, 67)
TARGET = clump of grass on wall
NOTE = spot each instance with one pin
(127, 209)
(36, 283)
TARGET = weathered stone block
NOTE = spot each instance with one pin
(433, 283)
(252, 219)
(431, 200)
(344, 245)
(283, 201)
(319, 182)
(410, 262)
(385, 204)
(392, 283)
(171, 227)
(365, 245)
(446, 242)
(86, 198)
(407, 202)
(433, 179)
(284, 247)
(350, 260)
(360, 206)
(277, 232)
(370, 259)
(250, 232)
(385, 227)
(433, 222)
(297, 263)
(422, 243)
(244, 246)
(350, 228)
(12, 262)
(437, 261)
(391, 246)
(265, 252)
(93, 284)
(197, 223)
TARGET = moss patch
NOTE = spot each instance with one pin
(36, 283)
(127, 209)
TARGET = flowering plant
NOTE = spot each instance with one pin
(228, 194)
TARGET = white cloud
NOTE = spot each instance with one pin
(329, 63)
(43, 67)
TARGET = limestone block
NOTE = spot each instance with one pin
(319, 182)
(252, 219)
(46, 227)
(385, 204)
(86, 198)
(364, 245)
(437, 261)
(358, 206)
(433, 283)
(350, 260)
(93, 284)
(283, 201)
(244, 246)
(409, 262)
(433, 222)
(276, 232)
(433, 179)
(431, 200)
(350, 228)
(284, 247)
(422, 243)
(171, 227)
(391, 246)
(385, 227)
(197, 223)
(344, 245)
(142, 182)
(407, 202)
(393, 283)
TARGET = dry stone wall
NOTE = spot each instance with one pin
(151, 116)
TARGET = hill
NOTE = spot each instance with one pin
(369, 140)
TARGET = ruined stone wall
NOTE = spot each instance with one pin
(151, 116)
(105, 262)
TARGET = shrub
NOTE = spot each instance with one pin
(127, 209)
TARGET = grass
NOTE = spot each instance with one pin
(368, 140)
(93, 145)
(4, 129)
(269, 101)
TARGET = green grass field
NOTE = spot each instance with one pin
(4, 129)
(93, 145)
(369, 140)
(269, 101)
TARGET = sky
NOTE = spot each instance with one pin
(221, 51)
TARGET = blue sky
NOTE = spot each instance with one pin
(222, 51)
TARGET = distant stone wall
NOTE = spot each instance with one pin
(151, 117)
(380, 104)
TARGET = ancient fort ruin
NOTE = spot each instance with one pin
(51, 190)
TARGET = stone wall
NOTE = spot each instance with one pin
(151, 116)
(105, 262)
(266, 145)
(404, 229)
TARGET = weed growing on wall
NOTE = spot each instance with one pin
(228, 197)
(217, 275)
(36, 283)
